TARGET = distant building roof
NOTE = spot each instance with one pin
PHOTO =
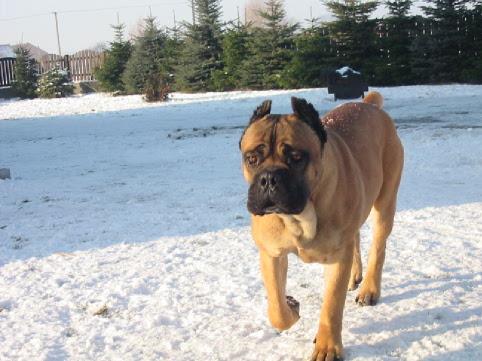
(86, 51)
(35, 51)
(6, 51)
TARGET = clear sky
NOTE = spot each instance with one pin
(85, 23)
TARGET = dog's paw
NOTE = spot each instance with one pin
(293, 304)
(286, 317)
(368, 296)
(326, 349)
(355, 281)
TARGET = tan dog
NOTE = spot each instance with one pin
(312, 185)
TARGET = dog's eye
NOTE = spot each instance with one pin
(296, 156)
(252, 160)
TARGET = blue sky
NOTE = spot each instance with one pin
(32, 21)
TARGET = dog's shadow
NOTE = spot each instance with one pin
(430, 285)
(427, 333)
(407, 344)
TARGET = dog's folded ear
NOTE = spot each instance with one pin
(304, 110)
(261, 111)
(307, 113)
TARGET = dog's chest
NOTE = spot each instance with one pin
(317, 255)
(270, 235)
(281, 234)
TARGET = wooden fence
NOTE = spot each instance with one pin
(7, 66)
(83, 64)
(80, 66)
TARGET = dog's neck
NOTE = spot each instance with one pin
(324, 192)
(304, 226)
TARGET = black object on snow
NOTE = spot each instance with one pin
(346, 83)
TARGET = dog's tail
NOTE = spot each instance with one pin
(374, 98)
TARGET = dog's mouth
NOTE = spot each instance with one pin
(271, 207)
(268, 207)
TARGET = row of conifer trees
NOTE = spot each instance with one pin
(443, 45)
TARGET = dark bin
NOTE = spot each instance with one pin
(346, 83)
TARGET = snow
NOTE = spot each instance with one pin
(103, 102)
(6, 51)
(124, 233)
(346, 70)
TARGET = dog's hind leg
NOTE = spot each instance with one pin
(383, 213)
(370, 288)
(356, 267)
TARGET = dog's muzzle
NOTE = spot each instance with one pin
(276, 190)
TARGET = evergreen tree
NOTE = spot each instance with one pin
(398, 8)
(353, 33)
(201, 55)
(235, 43)
(477, 32)
(172, 48)
(147, 70)
(25, 84)
(421, 49)
(472, 73)
(396, 44)
(270, 49)
(110, 73)
(447, 53)
(252, 72)
(311, 61)
(55, 84)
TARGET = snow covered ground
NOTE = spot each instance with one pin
(124, 233)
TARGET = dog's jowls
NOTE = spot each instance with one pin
(313, 184)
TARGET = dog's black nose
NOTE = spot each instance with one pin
(269, 180)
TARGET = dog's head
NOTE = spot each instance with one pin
(281, 157)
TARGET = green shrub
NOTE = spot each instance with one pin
(110, 73)
(25, 84)
(55, 84)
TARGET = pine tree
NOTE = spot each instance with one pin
(353, 33)
(147, 70)
(270, 49)
(397, 44)
(25, 84)
(110, 73)
(447, 51)
(477, 42)
(234, 44)
(311, 61)
(421, 48)
(472, 73)
(172, 48)
(201, 55)
(252, 72)
(55, 84)
(398, 8)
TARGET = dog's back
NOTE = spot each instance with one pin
(356, 116)
(372, 140)
(364, 126)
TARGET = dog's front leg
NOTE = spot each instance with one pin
(283, 311)
(328, 344)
